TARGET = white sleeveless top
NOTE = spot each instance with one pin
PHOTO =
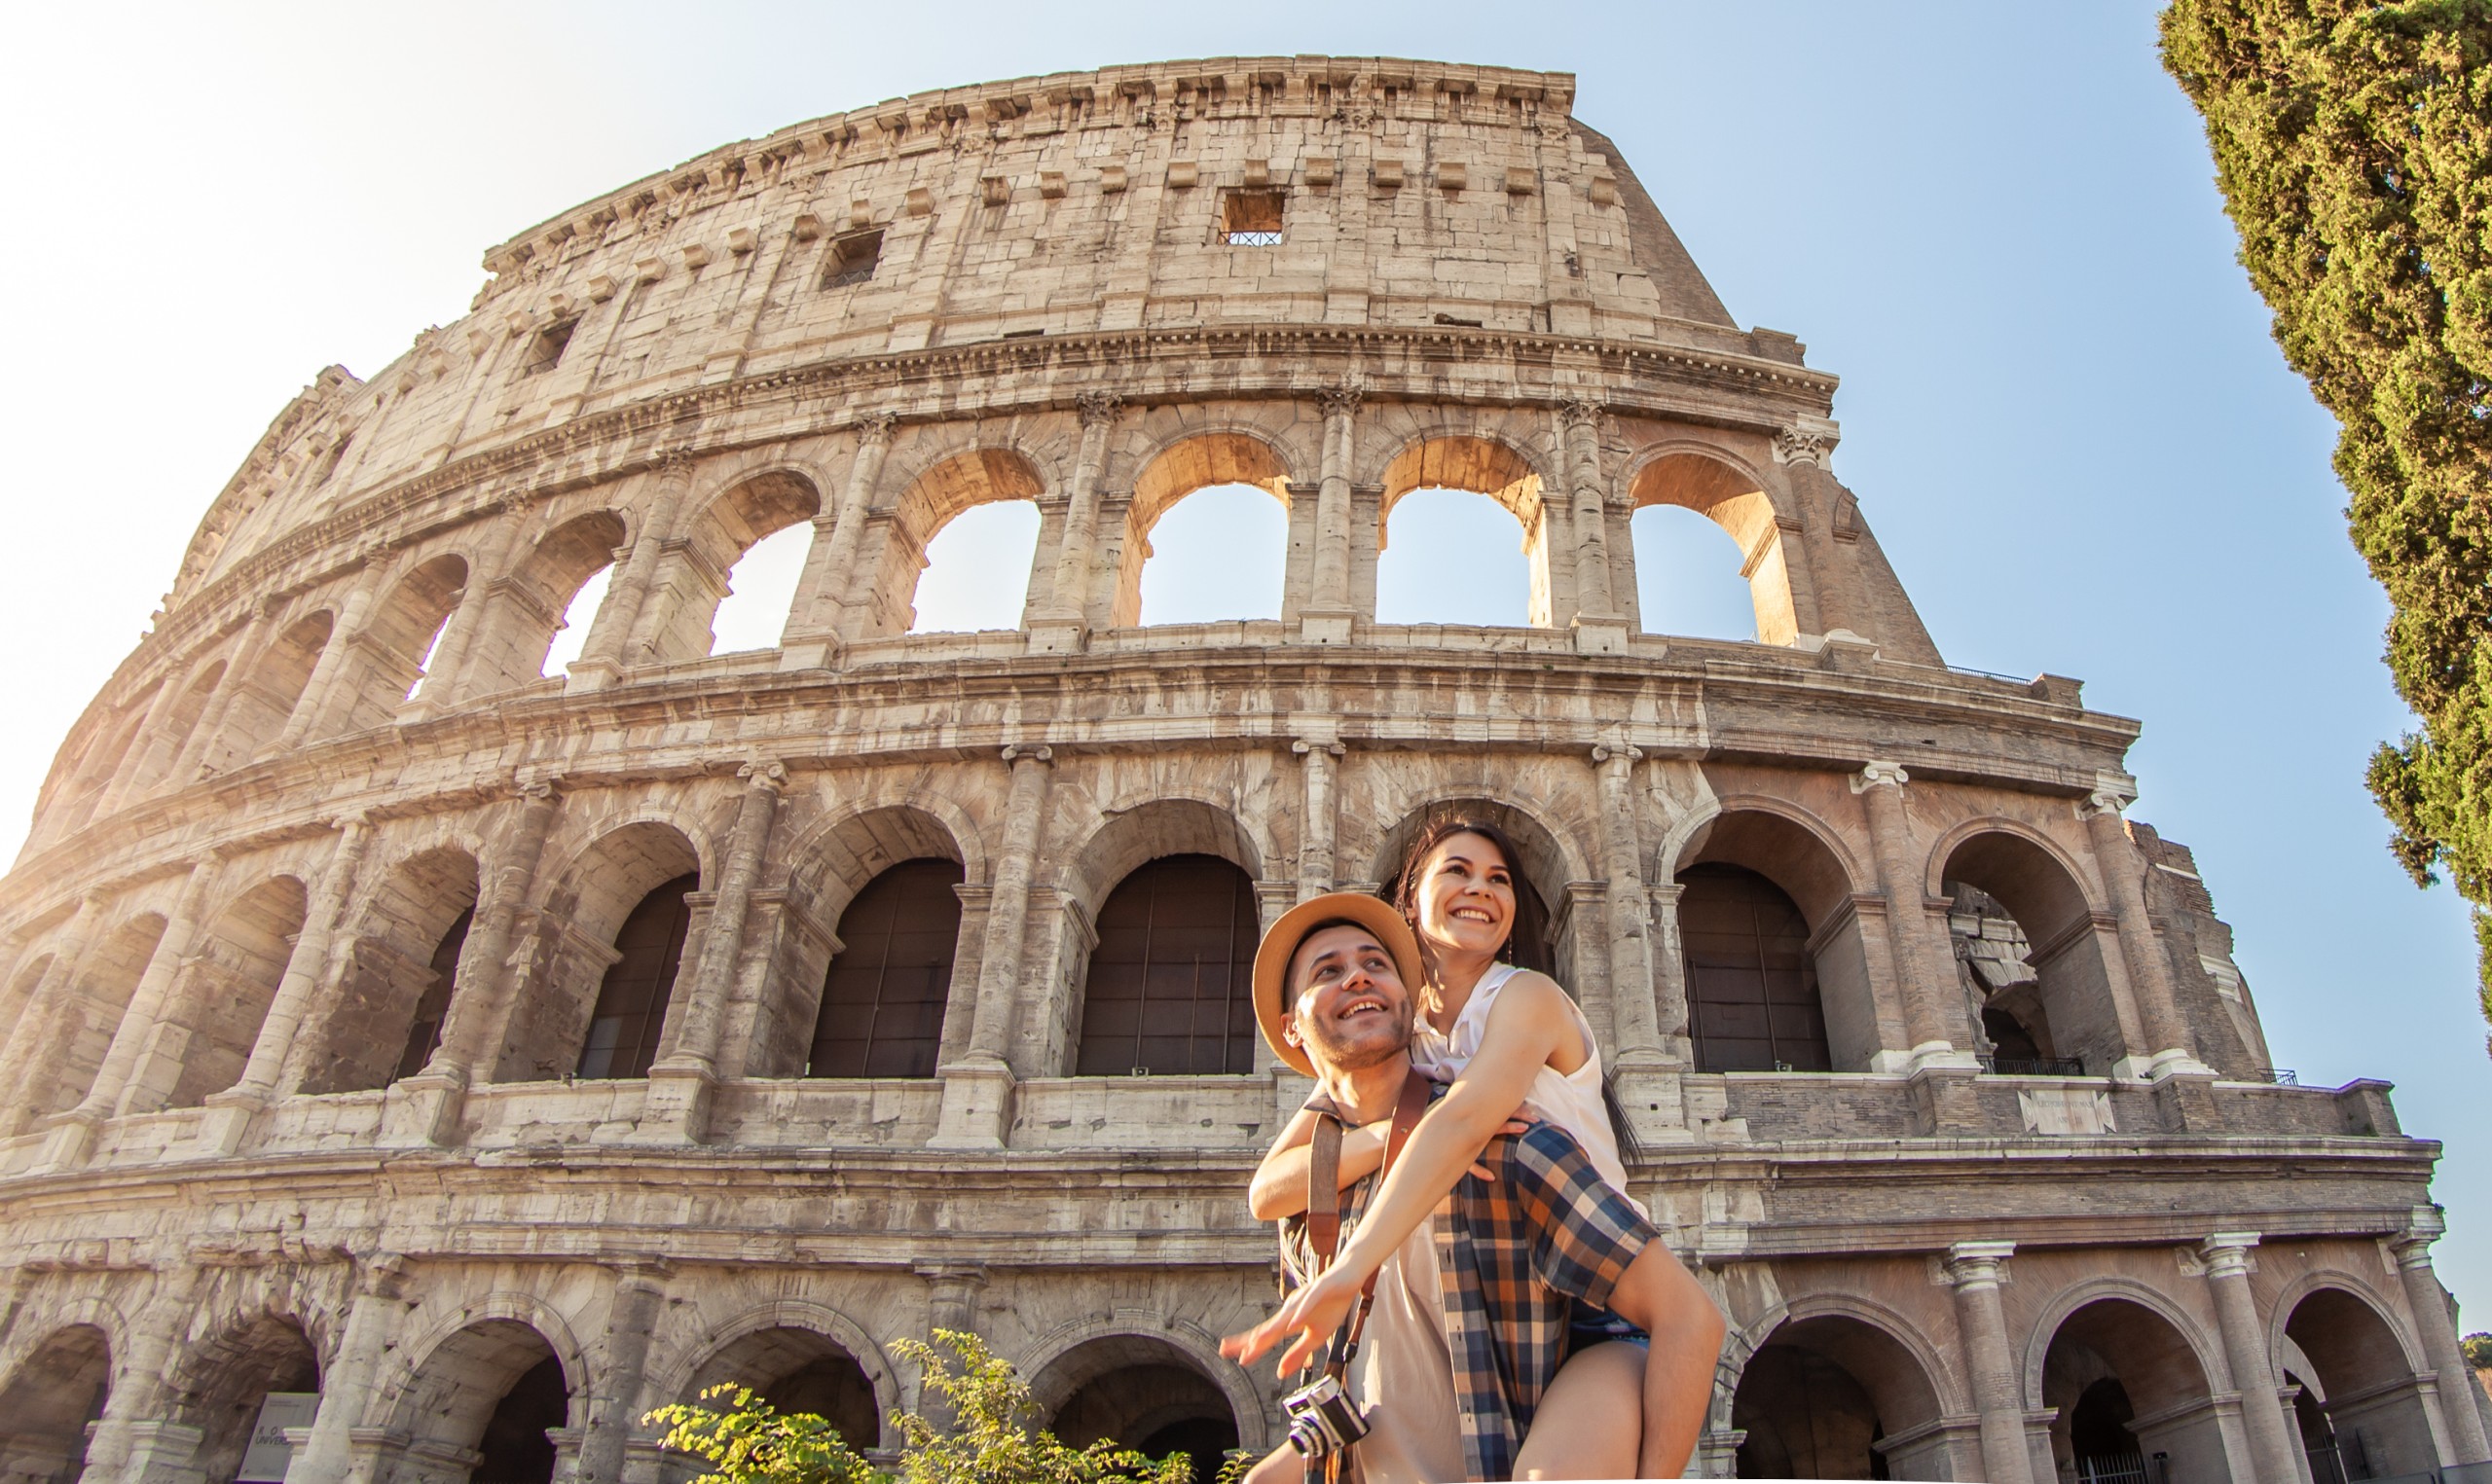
(1569, 1100)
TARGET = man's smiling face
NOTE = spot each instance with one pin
(1350, 1010)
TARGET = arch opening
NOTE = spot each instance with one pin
(230, 988)
(166, 751)
(401, 971)
(884, 594)
(104, 984)
(1169, 987)
(1436, 534)
(1143, 1393)
(2128, 1389)
(1687, 576)
(964, 584)
(1774, 959)
(488, 1394)
(546, 607)
(1732, 500)
(695, 608)
(397, 641)
(48, 1404)
(883, 995)
(2034, 969)
(266, 693)
(20, 995)
(222, 1386)
(796, 1369)
(2361, 1406)
(104, 760)
(1823, 1396)
(1199, 546)
(614, 932)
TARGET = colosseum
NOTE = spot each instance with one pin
(427, 1051)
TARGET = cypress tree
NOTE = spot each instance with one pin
(2352, 144)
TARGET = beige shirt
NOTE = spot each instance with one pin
(1403, 1376)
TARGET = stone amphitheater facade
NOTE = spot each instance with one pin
(307, 974)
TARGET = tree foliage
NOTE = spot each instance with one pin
(2353, 143)
(988, 1438)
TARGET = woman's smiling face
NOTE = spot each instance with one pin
(1466, 897)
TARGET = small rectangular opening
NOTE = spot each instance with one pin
(546, 351)
(1251, 218)
(853, 255)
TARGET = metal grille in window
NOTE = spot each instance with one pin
(1751, 986)
(1251, 218)
(853, 258)
(1169, 992)
(631, 1004)
(882, 998)
(545, 352)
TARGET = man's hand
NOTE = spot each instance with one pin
(1310, 1316)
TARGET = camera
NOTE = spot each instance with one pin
(1322, 1418)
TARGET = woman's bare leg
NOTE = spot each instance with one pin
(1589, 1424)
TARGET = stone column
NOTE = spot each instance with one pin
(37, 1042)
(614, 1408)
(1331, 615)
(2273, 1451)
(2461, 1396)
(423, 1109)
(1317, 863)
(1598, 627)
(951, 1303)
(1636, 1032)
(978, 1089)
(1935, 1018)
(138, 1022)
(683, 1081)
(244, 658)
(347, 1382)
(616, 639)
(1975, 1270)
(128, 1438)
(1669, 970)
(312, 707)
(818, 621)
(1064, 626)
(230, 1111)
(147, 747)
(2115, 855)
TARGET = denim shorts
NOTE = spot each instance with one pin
(1587, 1327)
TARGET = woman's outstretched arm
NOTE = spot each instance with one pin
(1531, 1023)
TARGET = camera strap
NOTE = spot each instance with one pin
(1324, 1199)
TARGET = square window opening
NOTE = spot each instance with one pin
(1251, 218)
(853, 257)
(547, 352)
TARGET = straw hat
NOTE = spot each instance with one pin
(1272, 955)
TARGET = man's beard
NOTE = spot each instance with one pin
(1359, 1052)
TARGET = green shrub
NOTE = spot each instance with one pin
(990, 1440)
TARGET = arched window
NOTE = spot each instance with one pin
(968, 583)
(1170, 985)
(882, 998)
(1687, 576)
(760, 589)
(1215, 554)
(631, 1002)
(1454, 557)
(1751, 989)
(423, 1033)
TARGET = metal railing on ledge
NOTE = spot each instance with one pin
(2034, 1067)
(2281, 1076)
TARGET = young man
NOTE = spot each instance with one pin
(1469, 1320)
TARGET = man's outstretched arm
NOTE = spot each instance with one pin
(1657, 1295)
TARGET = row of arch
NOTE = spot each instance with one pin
(865, 956)
(1828, 1386)
(2117, 1382)
(479, 611)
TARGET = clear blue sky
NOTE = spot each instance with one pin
(2062, 408)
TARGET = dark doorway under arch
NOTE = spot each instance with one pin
(882, 997)
(1158, 1408)
(1169, 988)
(1751, 986)
(632, 1002)
(514, 1445)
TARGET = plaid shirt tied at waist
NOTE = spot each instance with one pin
(1513, 1252)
